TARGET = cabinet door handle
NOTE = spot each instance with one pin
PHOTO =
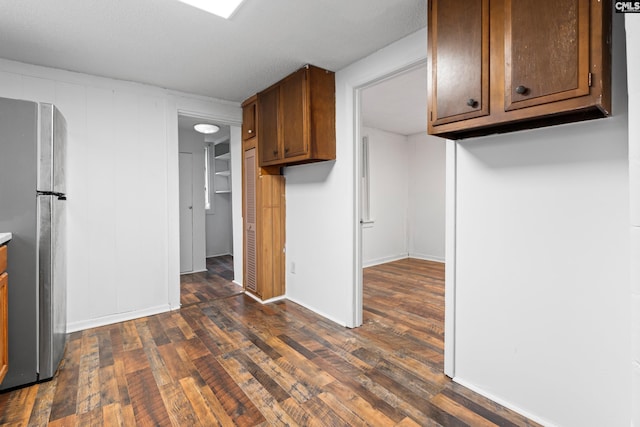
(472, 102)
(249, 131)
(521, 90)
(286, 150)
(275, 152)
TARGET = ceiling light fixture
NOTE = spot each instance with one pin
(206, 128)
(223, 8)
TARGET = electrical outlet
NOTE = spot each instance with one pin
(293, 267)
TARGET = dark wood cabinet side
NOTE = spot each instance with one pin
(4, 314)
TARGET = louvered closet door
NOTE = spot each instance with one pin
(250, 275)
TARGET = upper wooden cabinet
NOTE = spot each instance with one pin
(249, 120)
(504, 65)
(460, 37)
(297, 119)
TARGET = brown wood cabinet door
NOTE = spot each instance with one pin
(546, 51)
(268, 106)
(249, 121)
(294, 104)
(4, 325)
(459, 54)
(250, 167)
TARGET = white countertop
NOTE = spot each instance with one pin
(4, 238)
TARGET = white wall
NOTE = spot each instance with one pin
(192, 142)
(321, 199)
(122, 172)
(385, 239)
(542, 267)
(542, 287)
(632, 25)
(407, 176)
(426, 197)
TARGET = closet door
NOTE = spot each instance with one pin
(250, 244)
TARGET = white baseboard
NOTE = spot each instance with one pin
(383, 260)
(215, 256)
(318, 312)
(270, 300)
(116, 318)
(426, 257)
(192, 272)
(504, 403)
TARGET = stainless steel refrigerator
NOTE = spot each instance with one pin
(32, 208)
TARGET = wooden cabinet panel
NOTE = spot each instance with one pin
(460, 51)
(549, 62)
(264, 230)
(268, 110)
(546, 52)
(249, 121)
(295, 124)
(4, 314)
(3, 259)
(263, 208)
(297, 119)
(249, 215)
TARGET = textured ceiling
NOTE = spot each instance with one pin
(188, 122)
(398, 104)
(170, 44)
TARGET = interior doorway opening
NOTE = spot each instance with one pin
(206, 219)
(402, 200)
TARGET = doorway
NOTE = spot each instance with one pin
(206, 222)
(403, 199)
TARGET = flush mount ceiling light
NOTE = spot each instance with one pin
(206, 128)
(223, 8)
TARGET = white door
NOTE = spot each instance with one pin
(186, 212)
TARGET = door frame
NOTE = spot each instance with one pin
(450, 226)
(223, 112)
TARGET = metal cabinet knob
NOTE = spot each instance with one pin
(472, 102)
(521, 90)
(250, 131)
(275, 152)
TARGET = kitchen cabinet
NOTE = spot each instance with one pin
(504, 65)
(263, 207)
(4, 312)
(296, 119)
(249, 121)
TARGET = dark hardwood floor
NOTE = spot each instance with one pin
(215, 283)
(233, 361)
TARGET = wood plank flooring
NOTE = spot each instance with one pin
(215, 283)
(233, 361)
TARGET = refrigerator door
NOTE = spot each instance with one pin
(18, 144)
(52, 150)
(52, 284)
